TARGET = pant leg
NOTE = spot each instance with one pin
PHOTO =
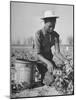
(42, 69)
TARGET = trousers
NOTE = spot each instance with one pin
(43, 69)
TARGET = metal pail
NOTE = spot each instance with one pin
(24, 73)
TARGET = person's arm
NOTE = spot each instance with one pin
(38, 49)
(42, 59)
(57, 51)
(48, 63)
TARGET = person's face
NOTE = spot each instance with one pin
(49, 26)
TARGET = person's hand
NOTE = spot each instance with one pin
(50, 67)
(67, 62)
(68, 67)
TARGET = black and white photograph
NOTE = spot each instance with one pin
(41, 49)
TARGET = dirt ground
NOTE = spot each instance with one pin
(39, 91)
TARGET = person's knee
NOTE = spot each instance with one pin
(42, 68)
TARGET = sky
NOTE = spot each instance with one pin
(26, 20)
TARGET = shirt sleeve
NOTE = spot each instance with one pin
(57, 42)
(37, 42)
(56, 37)
(56, 34)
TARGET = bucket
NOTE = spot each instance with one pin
(24, 73)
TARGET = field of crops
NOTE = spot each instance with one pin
(63, 75)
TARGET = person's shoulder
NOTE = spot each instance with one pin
(39, 32)
(55, 34)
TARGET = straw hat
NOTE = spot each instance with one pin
(49, 14)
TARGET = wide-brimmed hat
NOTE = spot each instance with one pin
(49, 14)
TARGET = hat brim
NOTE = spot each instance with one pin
(49, 17)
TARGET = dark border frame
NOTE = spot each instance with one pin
(73, 46)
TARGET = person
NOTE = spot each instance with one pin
(45, 39)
